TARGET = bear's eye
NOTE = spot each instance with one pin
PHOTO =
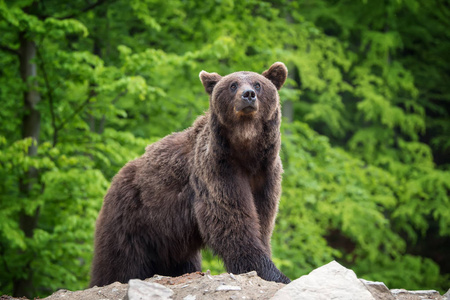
(233, 86)
(257, 86)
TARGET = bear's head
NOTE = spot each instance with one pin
(245, 96)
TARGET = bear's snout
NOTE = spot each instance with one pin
(247, 104)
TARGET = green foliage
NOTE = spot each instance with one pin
(366, 156)
(354, 212)
(212, 263)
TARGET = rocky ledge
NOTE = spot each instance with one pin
(331, 281)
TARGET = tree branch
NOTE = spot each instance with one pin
(101, 125)
(87, 8)
(79, 108)
(86, 102)
(9, 50)
(120, 95)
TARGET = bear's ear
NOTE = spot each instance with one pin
(277, 73)
(209, 80)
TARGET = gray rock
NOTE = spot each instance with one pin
(331, 281)
(141, 290)
(401, 294)
(378, 290)
(228, 288)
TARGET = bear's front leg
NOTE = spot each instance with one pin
(229, 224)
(266, 190)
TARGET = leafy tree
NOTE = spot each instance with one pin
(370, 99)
(53, 164)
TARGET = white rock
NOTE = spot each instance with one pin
(141, 290)
(446, 295)
(228, 288)
(331, 281)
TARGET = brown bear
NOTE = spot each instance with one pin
(216, 184)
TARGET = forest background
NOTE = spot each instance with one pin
(85, 85)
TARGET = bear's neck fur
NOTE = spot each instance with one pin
(252, 143)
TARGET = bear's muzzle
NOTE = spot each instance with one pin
(248, 103)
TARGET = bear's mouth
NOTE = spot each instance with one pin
(246, 108)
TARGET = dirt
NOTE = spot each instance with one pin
(201, 285)
(221, 287)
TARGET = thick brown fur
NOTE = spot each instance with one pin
(216, 184)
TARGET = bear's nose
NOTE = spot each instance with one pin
(249, 96)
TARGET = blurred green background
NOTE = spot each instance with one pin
(85, 85)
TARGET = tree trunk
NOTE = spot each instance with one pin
(30, 129)
(287, 108)
(288, 111)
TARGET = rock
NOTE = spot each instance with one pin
(331, 281)
(250, 274)
(141, 290)
(378, 290)
(228, 288)
(224, 287)
(113, 291)
(401, 294)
